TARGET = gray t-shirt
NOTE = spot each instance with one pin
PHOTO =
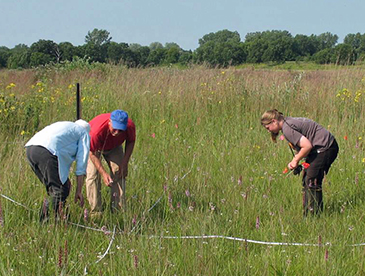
(294, 128)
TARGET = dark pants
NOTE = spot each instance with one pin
(320, 163)
(45, 166)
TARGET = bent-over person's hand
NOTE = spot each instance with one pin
(293, 164)
(79, 197)
(107, 179)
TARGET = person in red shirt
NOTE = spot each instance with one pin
(108, 132)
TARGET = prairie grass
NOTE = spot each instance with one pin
(202, 153)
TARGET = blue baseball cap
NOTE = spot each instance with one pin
(119, 119)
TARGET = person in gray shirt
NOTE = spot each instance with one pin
(310, 141)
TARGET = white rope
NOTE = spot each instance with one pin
(86, 227)
(237, 239)
(156, 202)
(199, 237)
(107, 250)
(17, 203)
(191, 168)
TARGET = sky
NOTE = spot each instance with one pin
(180, 21)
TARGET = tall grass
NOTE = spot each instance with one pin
(200, 149)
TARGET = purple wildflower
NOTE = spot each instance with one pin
(66, 252)
(60, 257)
(86, 215)
(135, 257)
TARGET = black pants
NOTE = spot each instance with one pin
(45, 166)
(320, 164)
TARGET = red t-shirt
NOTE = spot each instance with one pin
(101, 138)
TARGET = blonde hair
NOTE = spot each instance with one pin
(267, 118)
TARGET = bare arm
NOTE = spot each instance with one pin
(305, 148)
(97, 163)
(78, 192)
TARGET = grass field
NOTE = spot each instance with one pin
(202, 165)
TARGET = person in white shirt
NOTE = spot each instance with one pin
(51, 152)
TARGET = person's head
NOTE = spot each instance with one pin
(118, 122)
(272, 120)
(83, 124)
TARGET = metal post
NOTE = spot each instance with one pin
(78, 102)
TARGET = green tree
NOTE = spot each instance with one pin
(19, 57)
(44, 46)
(169, 45)
(96, 53)
(38, 58)
(98, 37)
(343, 54)
(4, 55)
(354, 40)
(120, 52)
(67, 51)
(304, 46)
(280, 46)
(19, 60)
(186, 57)
(222, 36)
(172, 54)
(323, 56)
(327, 40)
(157, 56)
(43, 52)
(256, 49)
(269, 46)
(222, 48)
(141, 54)
(357, 42)
(96, 47)
(155, 45)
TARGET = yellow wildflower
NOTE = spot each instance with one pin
(10, 85)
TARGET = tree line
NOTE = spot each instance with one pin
(222, 48)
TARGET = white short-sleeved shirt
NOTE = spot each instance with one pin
(69, 142)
